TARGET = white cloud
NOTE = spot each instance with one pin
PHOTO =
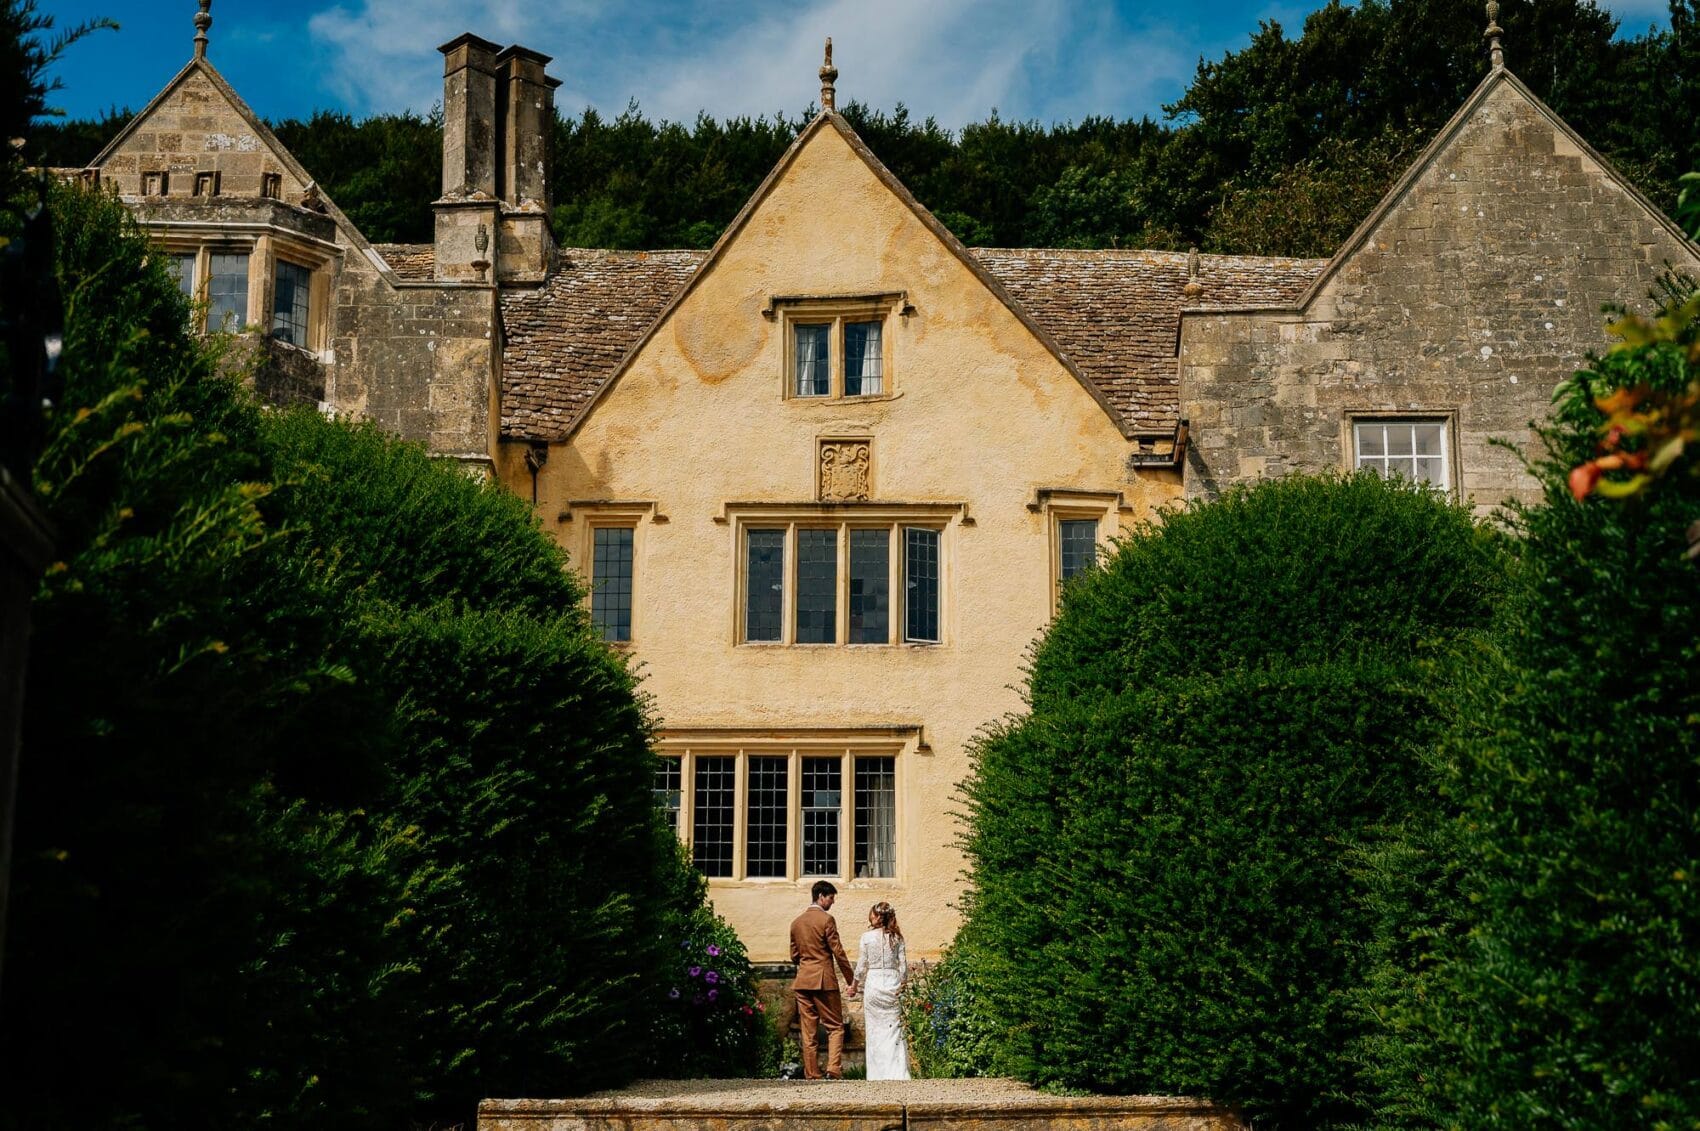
(952, 59)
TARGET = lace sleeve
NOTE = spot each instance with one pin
(862, 949)
(901, 957)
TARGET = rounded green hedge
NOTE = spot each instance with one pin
(1163, 893)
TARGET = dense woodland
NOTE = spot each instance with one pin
(1280, 148)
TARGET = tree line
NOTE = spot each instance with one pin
(1279, 148)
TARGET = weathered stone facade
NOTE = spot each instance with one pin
(1470, 294)
(654, 407)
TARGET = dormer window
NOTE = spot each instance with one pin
(836, 348)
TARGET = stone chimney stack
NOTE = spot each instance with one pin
(468, 212)
(469, 117)
(498, 123)
(526, 115)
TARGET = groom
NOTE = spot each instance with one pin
(815, 948)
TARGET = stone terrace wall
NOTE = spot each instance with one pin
(416, 358)
(1475, 295)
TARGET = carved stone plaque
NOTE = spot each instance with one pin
(845, 470)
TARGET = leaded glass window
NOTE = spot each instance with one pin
(766, 848)
(611, 582)
(764, 578)
(181, 264)
(227, 291)
(294, 284)
(920, 584)
(817, 586)
(713, 804)
(814, 365)
(864, 363)
(1078, 545)
(822, 800)
(876, 817)
(668, 791)
(870, 586)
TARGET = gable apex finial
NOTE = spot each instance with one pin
(1494, 31)
(828, 76)
(203, 21)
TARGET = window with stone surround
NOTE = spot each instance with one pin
(836, 349)
(814, 580)
(1078, 521)
(611, 581)
(227, 291)
(769, 808)
(292, 288)
(1413, 448)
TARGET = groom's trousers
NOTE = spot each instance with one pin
(816, 1008)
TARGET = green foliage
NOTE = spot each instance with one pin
(25, 57)
(1568, 991)
(1165, 896)
(711, 1023)
(333, 810)
(942, 1019)
(383, 172)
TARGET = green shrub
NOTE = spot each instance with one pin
(1164, 896)
(1569, 994)
(942, 1021)
(333, 811)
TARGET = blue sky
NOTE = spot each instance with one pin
(956, 60)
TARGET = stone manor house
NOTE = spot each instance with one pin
(825, 478)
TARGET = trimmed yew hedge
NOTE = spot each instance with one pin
(1164, 893)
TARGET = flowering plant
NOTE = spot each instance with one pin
(712, 1023)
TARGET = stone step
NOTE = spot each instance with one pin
(852, 1105)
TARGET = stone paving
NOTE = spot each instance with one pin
(851, 1105)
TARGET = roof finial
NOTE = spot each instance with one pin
(1494, 31)
(1193, 287)
(203, 21)
(828, 76)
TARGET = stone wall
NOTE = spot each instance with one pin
(417, 358)
(1477, 291)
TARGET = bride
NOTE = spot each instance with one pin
(881, 968)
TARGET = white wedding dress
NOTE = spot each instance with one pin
(880, 969)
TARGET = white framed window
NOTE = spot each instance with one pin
(1413, 448)
(815, 580)
(770, 808)
(836, 349)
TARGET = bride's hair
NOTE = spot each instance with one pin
(884, 916)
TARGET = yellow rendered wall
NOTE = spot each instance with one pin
(981, 414)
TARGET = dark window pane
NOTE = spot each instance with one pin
(713, 799)
(1079, 546)
(870, 586)
(876, 817)
(227, 292)
(289, 303)
(611, 582)
(822, 799)
(667, 791)
(814, 367)
(817, 586)
(766, 852)
(920, 585)
(864, 364)
(764, 578)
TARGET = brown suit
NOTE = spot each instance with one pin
(815, 949)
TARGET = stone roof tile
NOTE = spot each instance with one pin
(1115, 314)
(412, 262)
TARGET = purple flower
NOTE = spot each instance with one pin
(695, 971)
(713, 951)
(673, 993)
(712, 994)
(713, 977)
